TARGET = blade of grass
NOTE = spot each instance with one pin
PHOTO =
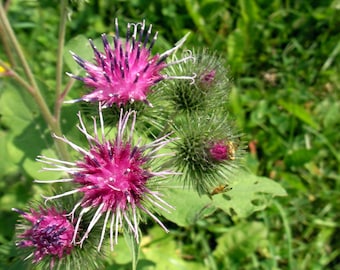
(288, 234)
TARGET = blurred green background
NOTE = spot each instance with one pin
(283, 60)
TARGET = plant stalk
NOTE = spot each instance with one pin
(51, 121)
(59, 67)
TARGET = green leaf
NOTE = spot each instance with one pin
(15, 192)
(193, 9)
(236, 50)
(27, 134)
(161, 248)
(293, 181)
(247, 193)
(249, 11)
(80, 46)
(121, 254)
(17, 108)
(189, 206)
(6, 164)
(240, 242)
(158, 250)
(299, 112)
(299, 157)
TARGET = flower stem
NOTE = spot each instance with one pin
(59, 67)
(60, 99)
(7, 4)
(6, 44)
(10, 33)
(32, 85)
(11, 73)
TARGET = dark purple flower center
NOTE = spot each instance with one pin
(208, 77)
(113, 175)
(219, 151)
(51, 234)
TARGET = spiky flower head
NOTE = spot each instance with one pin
(125, 73)
(210, 88)
(114, 179)
(207, 151)
(47, 233)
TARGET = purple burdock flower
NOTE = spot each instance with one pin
(221, 151)
(207, 78)
(126, 72)
(114, 178)
(49, 235)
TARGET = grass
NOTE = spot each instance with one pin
(283, 58)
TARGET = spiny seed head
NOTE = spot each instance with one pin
(210, 88)
(47, 233)
(114, 178)
(126, 70)
(206, 152)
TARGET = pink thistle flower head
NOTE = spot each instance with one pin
(50, 234)
(125, 72)
(208, 77)
(220, 150)
(114, 178)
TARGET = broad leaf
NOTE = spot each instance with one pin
(27, 131)
(247, 193)
(189, 206)
(80, 45)
(27, 135)
(161, 249)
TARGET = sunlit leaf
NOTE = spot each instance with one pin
(189, 206)
(80, 46)
(27, 130)
(249, 11)
(161, 248)
(247, 193)
(7, 166)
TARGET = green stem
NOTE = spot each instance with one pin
(272, 260)
(6, 44)
(17, 77)
(60, 99)
(288, 235)
(17, 48)
(32, 86)
(53, 124)
(59, 67)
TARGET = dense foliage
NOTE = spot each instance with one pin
(283, 62)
